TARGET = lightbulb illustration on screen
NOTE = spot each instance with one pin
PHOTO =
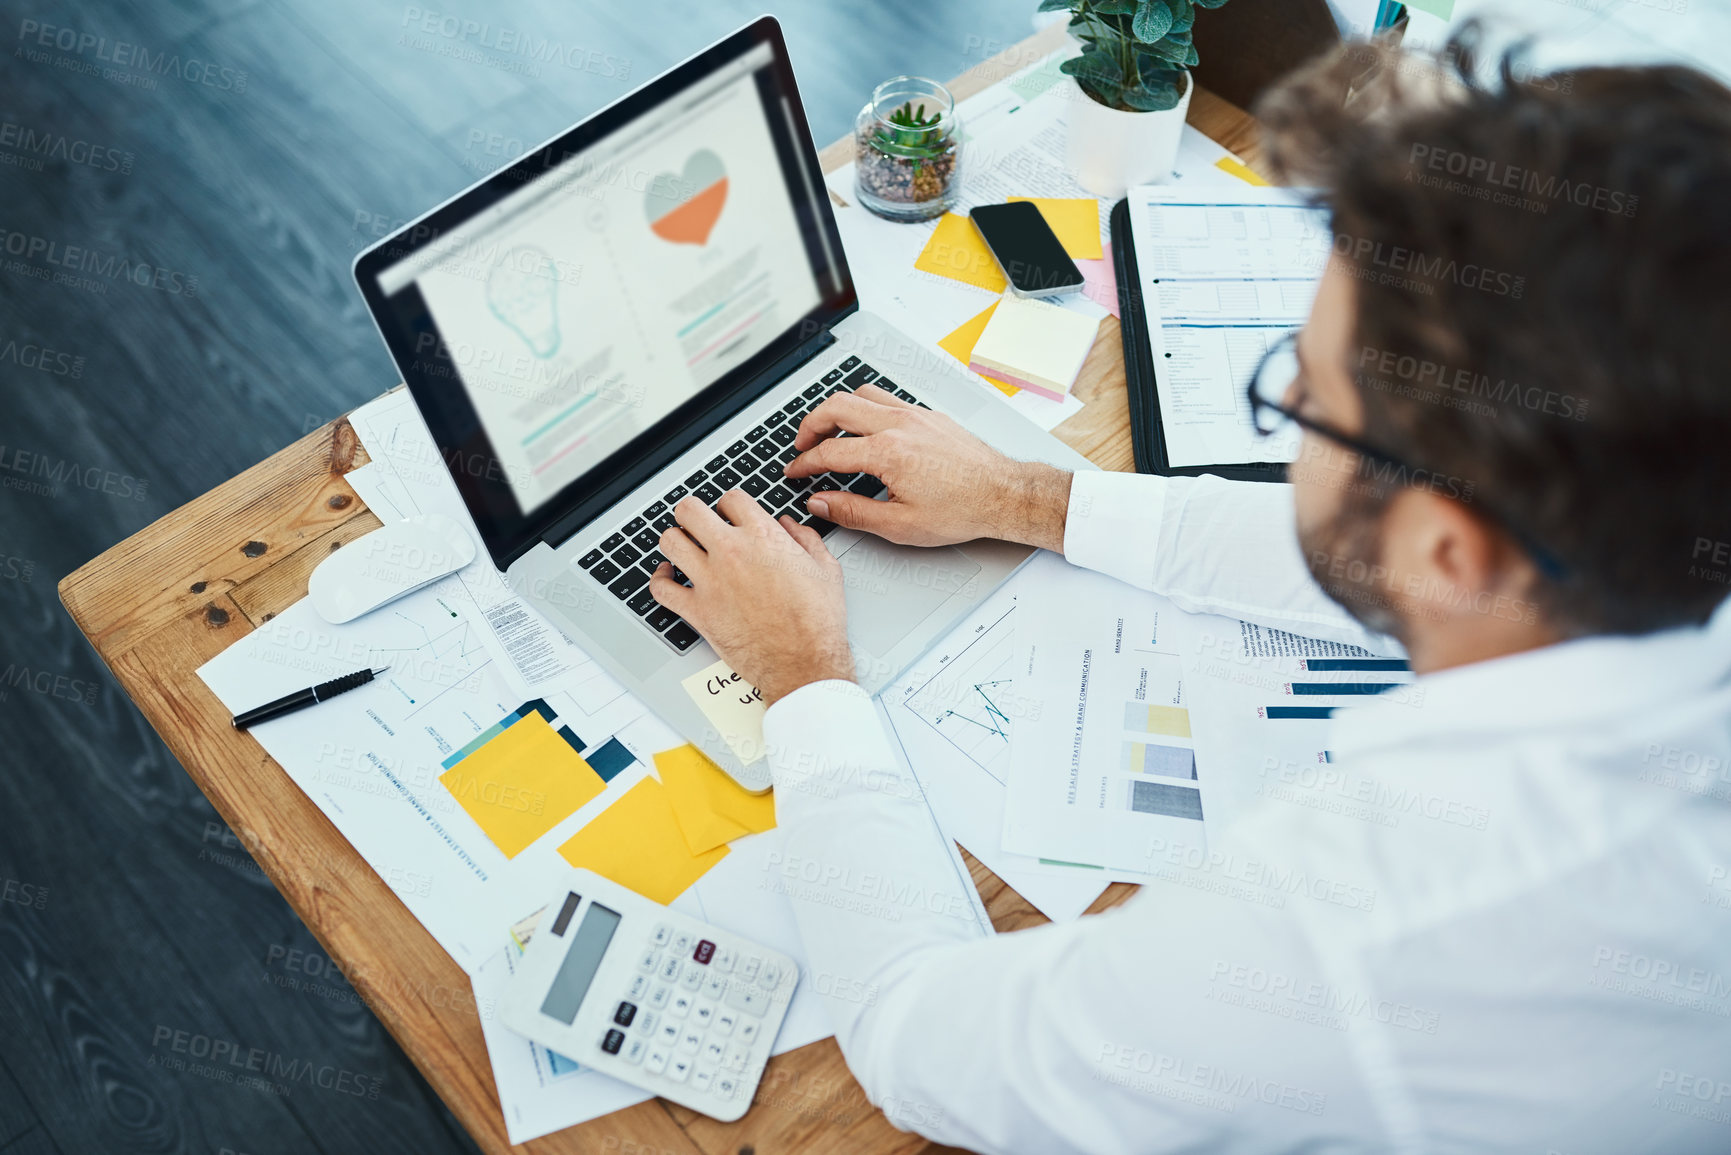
(522, 291)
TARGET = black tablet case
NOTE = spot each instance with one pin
(1147, 436)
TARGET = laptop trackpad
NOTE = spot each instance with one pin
(891, 588)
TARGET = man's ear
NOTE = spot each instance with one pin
(1450, 552)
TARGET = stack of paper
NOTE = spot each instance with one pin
(1033, 345)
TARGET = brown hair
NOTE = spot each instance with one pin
(1544, 269)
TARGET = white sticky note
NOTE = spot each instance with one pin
(733, 706)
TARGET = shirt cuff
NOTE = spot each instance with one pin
(820, 731)
(1113, 524)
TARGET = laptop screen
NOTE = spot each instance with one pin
(609, 281)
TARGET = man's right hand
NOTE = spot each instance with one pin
(944, 484)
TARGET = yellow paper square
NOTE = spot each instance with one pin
(1240, 170)
(956, 250)
(710, 807)
(636, 843)
(522, 784)
(1076, 220)
(733, 706)
(960, 344)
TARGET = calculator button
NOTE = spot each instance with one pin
(723, 960)
(725, 1086)
(613, 1041)
(714, 987)
(680, 1006)
(770, 976)
(736, 1056)
(714, 1051)
(701, 1078)
(748, 1031)
(745, 999)
(657, 1060)
(668, 1034)
(748, 968)
(704, 952)
(634, 1048)
(669, 969)
(679, 1069)
(690, 1040)
(658, 996)
(625, 1013)
(725, 1021)
(647, 1020)
(703, 1013)
(649, 961)
(681, 943)
(638, 988)
(691, 979)
(661, 934)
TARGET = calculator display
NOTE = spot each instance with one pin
(582, 959)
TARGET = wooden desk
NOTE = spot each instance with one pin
(163, 602)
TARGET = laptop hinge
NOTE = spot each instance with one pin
(695, 430)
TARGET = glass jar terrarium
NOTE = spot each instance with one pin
(907, 149)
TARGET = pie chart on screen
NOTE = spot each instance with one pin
(683, 207)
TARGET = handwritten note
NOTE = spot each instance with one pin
(733, 706)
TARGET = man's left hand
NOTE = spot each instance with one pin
(766, 595)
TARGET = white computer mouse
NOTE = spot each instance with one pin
(387, 563)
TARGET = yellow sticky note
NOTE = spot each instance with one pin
(960, 344)
(522, 784)
(710, 807)
(636, 842)
(733, 706)
(1076, 220)
(1240, 170)
(956, 250)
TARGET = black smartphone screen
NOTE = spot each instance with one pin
(1028, 251)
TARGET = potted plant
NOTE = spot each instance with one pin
(1130, 88)
(906, 148)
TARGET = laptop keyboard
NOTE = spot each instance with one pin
(623, 562)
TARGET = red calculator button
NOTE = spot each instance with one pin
(704, 952)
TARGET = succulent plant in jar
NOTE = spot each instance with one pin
(907, 150)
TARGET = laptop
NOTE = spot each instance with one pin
(645, 307)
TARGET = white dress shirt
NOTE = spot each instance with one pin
(1540, 963)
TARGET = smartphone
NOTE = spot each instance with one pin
(1026, 249)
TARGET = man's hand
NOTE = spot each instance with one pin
(767, 596)
(945, 485)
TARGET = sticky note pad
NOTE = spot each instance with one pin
(710, 807)
(522, 783)
(960, 344)
(636, 842)
(1034, 346)
(733, 706)
(956, 250)
(1240, 170)
(1076, 220)
(1173, 721)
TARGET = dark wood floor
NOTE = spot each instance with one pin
(207, 171)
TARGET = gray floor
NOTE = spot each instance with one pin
(237, 189)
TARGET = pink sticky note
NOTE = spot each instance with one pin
(1099, 282)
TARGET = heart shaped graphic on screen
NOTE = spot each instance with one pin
(683, 209)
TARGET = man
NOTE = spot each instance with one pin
(1517, 464)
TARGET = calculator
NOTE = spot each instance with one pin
(652, 997)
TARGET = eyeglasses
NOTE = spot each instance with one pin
(1275, 375)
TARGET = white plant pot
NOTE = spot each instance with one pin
(1110, 150)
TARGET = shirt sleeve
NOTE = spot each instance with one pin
(1211, 545)
(1102, 1035)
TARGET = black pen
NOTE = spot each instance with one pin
(301, 699)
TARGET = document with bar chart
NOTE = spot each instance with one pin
(1261, 701)
(1110, 775)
